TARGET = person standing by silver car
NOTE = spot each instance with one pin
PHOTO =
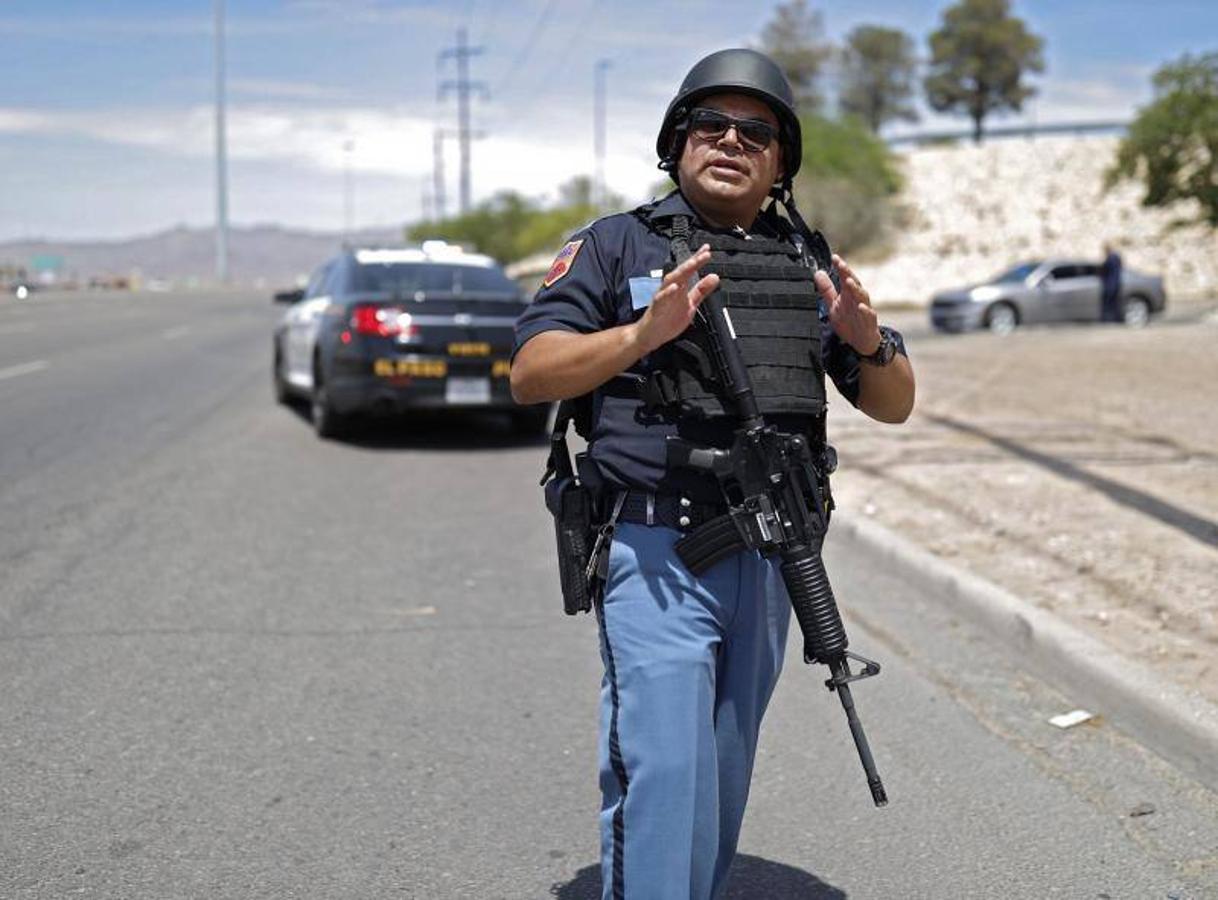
(1110, 285)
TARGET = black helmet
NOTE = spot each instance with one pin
(737, 71)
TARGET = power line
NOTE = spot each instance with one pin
(527, 50)
(551, 76)
(489, 29)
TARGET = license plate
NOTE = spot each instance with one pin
(467, 390)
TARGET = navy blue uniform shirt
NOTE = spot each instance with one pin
(605, 277)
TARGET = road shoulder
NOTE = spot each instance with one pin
(1181, 726)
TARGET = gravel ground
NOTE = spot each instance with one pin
(1075, 466)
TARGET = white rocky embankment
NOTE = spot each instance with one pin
(972, 211)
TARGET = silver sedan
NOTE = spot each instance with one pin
(1044, 291)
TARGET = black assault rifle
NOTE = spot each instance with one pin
(775, 491)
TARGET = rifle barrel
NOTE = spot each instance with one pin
(878, 794)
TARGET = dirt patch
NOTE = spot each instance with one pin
(1076, 467)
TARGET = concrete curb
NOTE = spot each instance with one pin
(1179, 725)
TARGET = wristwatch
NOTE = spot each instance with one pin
(885, 352)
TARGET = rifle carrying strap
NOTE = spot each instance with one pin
(680, 239)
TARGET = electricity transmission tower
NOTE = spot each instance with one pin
(463, 88)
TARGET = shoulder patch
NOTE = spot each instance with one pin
(562, 262)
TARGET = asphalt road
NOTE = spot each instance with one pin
(240, 662)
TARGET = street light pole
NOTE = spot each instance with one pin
(221, 153)
(348, 191)
(437, 172)
(598, 134)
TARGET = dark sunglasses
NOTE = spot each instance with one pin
(711, 125)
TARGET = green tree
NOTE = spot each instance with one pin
(510, 226)
(847, 184)
(878, 76)
(578, 191)
(1172, 145)
(793, 39)
(978, 60)
(491, 227)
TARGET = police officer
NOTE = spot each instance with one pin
(690, 662)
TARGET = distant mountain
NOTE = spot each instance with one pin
(267, 254)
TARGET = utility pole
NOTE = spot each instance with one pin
(348, 191)
(463, 86)
(221, 153)
(599, 191)
(437, 172)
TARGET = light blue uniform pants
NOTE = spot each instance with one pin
(690, 664)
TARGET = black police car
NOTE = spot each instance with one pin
(385, 330)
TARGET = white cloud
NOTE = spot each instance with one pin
(1106, 94)
(23, 121)
(285, 90)
(259, 133)
(533, 158)
(1091, 99)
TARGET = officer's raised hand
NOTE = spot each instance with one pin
(886, 385)
(675, 303)
(850, 311)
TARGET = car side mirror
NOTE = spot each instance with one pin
(293, 296)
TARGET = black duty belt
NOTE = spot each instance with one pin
(671, 510)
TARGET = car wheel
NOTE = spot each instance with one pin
(278, 380)
(1001, 318)
(1136, 312)
(327, 422)
(532, 422)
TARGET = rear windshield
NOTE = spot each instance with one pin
(1016, 273)
(406, 279)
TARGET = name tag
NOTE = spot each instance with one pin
(642, 290)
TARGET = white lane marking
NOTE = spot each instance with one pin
(415, 611)
(175, 333)
(24, 369)
(14, 329)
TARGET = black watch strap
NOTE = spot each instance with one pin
(885, 353)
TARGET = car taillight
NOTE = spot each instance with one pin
(383, 321)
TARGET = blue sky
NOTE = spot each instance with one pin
(106, 125)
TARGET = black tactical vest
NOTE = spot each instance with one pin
(773, 306)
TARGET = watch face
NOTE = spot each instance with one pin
(884, 353)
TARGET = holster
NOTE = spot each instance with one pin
(571, 504)
(583, 541)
